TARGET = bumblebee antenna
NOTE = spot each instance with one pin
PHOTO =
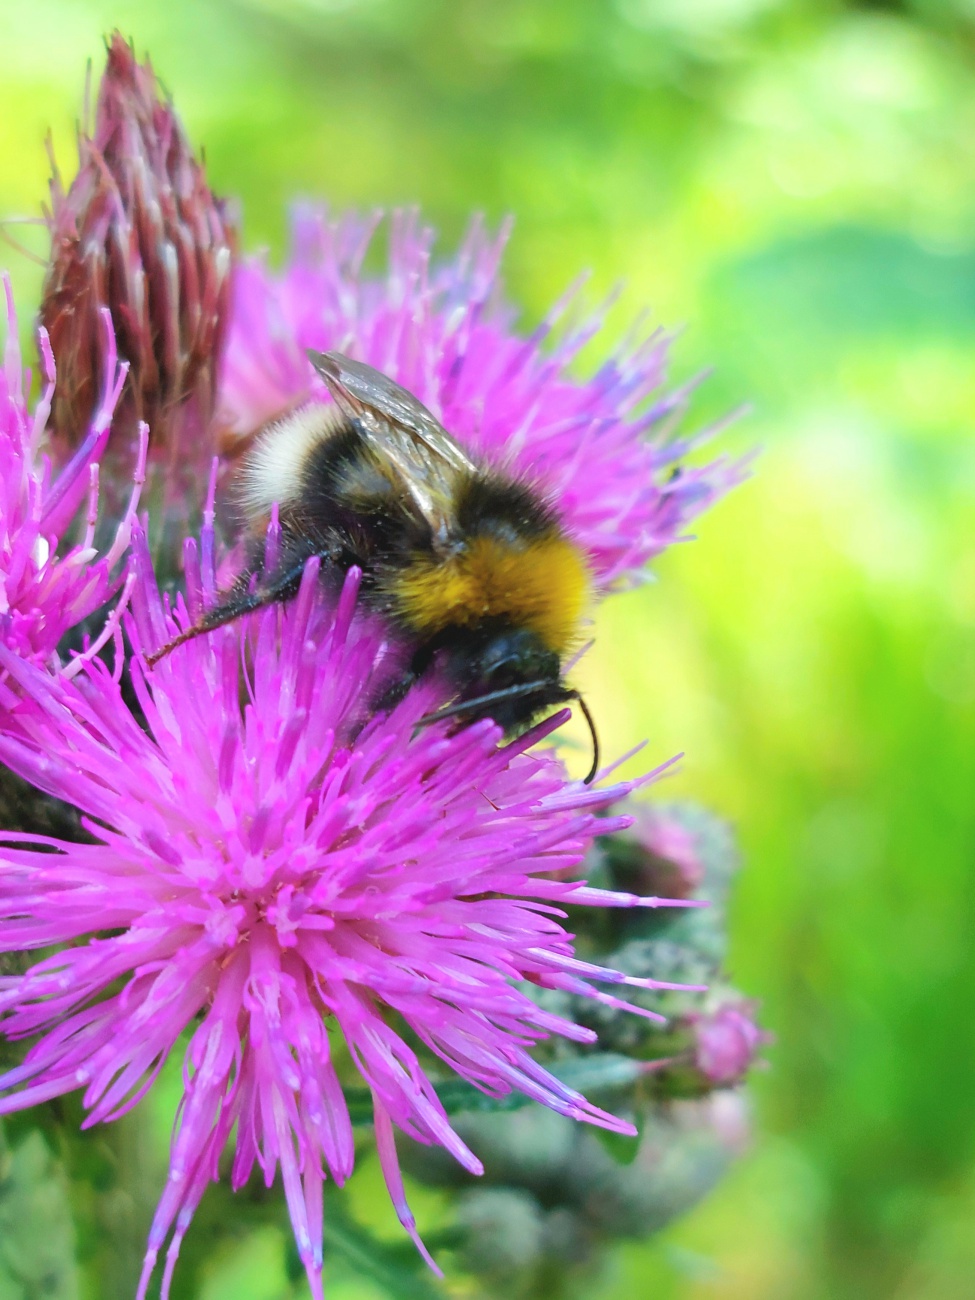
(467, 706)
(588, 780)
(511, 692)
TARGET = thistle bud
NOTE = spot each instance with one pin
(706, 1050)
(503, 1231)
(554, 1198)
(658, 854)
(140, 232)
(726, 1042)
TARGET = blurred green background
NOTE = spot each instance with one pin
(795, 182)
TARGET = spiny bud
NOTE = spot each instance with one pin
(553, 1198)
(658, 854)
(503, 1231)
(139, 232)
(710, 1049)
(726, 1042)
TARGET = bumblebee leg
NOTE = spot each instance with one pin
(239, 600)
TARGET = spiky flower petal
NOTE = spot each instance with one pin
(47, 584)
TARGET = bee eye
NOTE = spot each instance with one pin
(511, 656)
(499, 654)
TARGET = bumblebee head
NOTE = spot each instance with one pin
(510, 658)
(510, 677)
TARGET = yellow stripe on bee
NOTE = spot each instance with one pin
(542, 585)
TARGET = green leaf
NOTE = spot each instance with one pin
(601, 1072)
(623, 1149)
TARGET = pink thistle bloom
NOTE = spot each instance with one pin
(726, 1042)
(273, 866)
(602, 448)
(48, 585)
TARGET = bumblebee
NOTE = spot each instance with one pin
(470, 566)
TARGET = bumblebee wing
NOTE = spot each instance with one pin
(405, 437)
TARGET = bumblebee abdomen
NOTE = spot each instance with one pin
(540, 583)
(276, 471)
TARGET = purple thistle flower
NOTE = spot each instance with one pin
(264, 871)
(48, 585)
(600, 448)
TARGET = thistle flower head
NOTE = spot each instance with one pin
(47, 584)
(272, 875)
(603, 449)
(138, 232)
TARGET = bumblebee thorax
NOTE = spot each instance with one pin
(540, 583)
